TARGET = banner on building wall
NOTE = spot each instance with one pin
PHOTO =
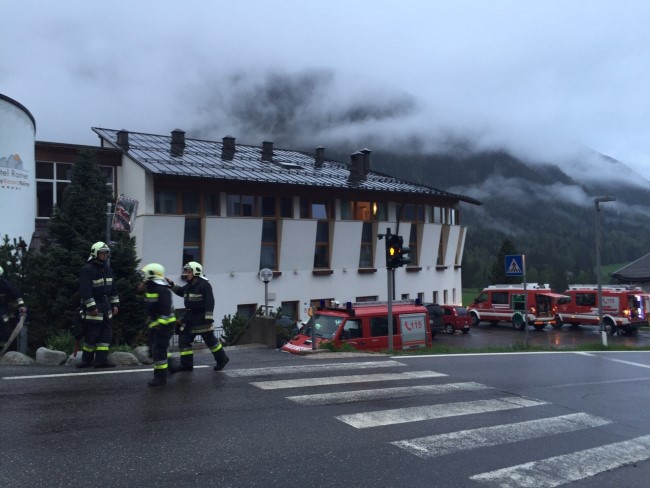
(124, 216)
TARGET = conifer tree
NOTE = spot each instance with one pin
(78, 221)
(498, 274)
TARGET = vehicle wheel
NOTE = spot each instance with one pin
(610, 327)
(558, 323)
(518, 321)
(449, 329)
(475, 320)
(465, 331)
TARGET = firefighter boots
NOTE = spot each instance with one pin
(159, 377)
(222, 359)
(83, 364)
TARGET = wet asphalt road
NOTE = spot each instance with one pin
(241, 427)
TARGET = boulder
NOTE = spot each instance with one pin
(49, 357)
(123, 359)
(15, 357)
(142, 353)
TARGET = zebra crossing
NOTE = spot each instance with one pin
(548, 472)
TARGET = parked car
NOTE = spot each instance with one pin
(436, 323)
(456, 318)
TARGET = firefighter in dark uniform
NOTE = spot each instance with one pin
(8, 294)
(99, 303)
(198, 318)
(161, 318)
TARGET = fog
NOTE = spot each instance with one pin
(548, 81)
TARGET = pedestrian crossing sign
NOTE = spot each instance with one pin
(515, 265)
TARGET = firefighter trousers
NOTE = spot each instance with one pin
(97, 337)
(185, 339)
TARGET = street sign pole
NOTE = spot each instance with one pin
(389, 273)
(523, 270)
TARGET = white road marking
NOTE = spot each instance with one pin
(559, 470)
(86, 373)
(431, 412)
(312, 368)
(384, 393)
(640, 365)
(338, 380)
(463, 440)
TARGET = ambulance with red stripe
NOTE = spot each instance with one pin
(625, 308)
(506, 303)
(364, 326)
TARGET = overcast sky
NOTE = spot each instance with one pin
(537, 77)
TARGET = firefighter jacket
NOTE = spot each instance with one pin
(8, 293)
(98, 290)
(158, 305)
(199, 304)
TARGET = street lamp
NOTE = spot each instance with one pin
(603, 332)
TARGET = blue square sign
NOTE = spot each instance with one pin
(515, 265)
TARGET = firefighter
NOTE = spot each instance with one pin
(99, 304)
(8, 293)
(161, 318)
(198, 318)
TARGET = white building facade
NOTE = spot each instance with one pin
(314, 222)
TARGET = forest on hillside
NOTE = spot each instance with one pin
(557, 236)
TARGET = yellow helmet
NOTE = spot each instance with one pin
(98, 247)
(154, 272)
(196, 268)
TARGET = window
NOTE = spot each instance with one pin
(367, 240)
(379, 326)
(499, 298)
(435, 297)
(165, 202)
(412, 213)
(290, 309)
(192, 240)
(352, 329)
(413, 244)
(246, 310)
(269, 251)
(51, 181)
(240, 205)
(321, 252)
(211, 202)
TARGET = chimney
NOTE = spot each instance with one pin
(356, 166)
(123, 139)
(228, 148)
(365, 159)
(267, 151)
(178, 143)
(320, 157)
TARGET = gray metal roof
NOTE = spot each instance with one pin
(206, 159)
(635, 272)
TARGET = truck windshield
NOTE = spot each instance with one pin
(324, 325)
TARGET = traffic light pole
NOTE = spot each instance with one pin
(390, 273)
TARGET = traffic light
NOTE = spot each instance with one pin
(393, 250)
(404, 255)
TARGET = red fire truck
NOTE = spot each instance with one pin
(364, 325)
(505, 303)
(625, 308)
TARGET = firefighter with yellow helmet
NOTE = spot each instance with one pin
(198, 318)
(99, 304)
(161, 318)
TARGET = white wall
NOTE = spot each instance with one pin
(17, 172)
(232, 253)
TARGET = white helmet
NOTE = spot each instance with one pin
(196, 268)
(2, 271)
(97, 248)
(154, 272)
